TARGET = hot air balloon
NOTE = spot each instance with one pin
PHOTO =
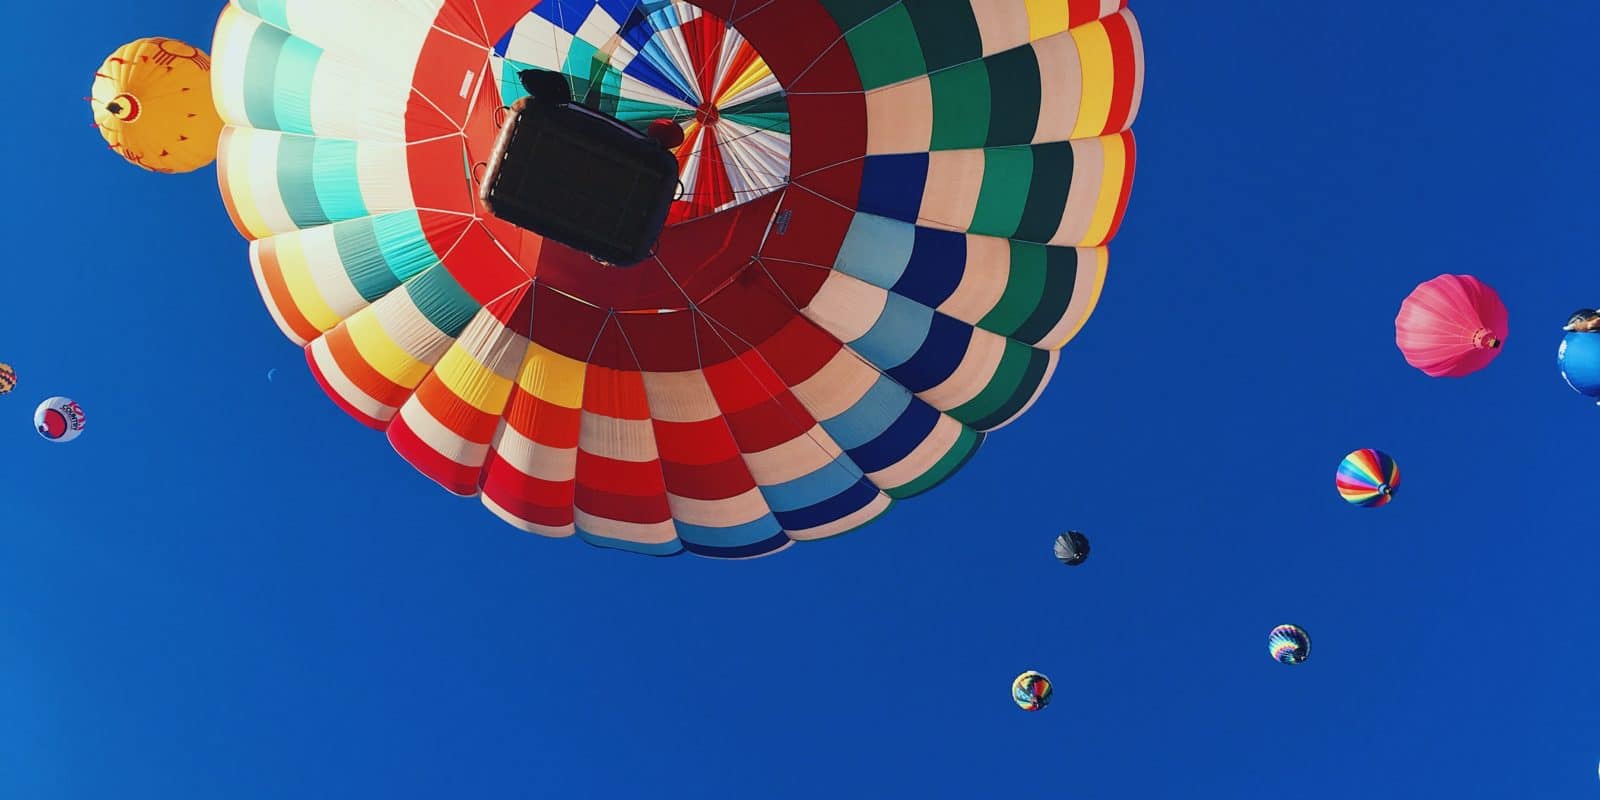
(59, 419)
(8, 378)
(1289, 644)
(1367, 478)
(1579, 360)
(1031, 691)
(892, 218)
(152, 103)
(1451, 326)
(1072, 548)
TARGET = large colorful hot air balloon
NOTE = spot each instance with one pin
(8, 378)
(59, 419)
(152, 103)
(1451, 326)
(894, 214)
(1031, 691)
(1579, 360)
(1367, 478)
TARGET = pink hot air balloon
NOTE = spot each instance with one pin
(1451, 326)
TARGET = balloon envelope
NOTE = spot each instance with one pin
(1072, 548)
(152, 103)
(863, 277)
(1031, 691)
(1451, 326)
(8, 378)
(59, 419)
(1579, 360)
(1289, 644)
(1367, 478)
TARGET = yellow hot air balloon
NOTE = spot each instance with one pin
(152, 103)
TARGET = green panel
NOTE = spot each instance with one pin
(442, 300)
(291, 90)
(1018, 374)
(404, 244)
(849, 13)
(962, 451)
(338, 183)
(886, 49)
(777, 122)
(1024, 283)
(1014, 74)
(1047, 192)
(960, 107)
(1006, 173)
(1061, 276)
(363, 260)
(260, 69)
(296, 183)
(948, 31)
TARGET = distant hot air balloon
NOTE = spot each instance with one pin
(8, 378)
(1072, 548)
(152, 103)
(1579, 360)
(1451, 326)
(1367, 478)
(1289, 644)
(59, 419)
(1031, 690)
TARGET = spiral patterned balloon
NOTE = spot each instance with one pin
(1289, 644)
(1368, 478)
(1031, 690)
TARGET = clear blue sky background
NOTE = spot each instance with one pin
(227, 589)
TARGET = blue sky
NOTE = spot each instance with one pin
(226, 588)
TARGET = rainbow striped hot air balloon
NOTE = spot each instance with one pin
(1368, 478)
(1289, 644)
(1031, 690)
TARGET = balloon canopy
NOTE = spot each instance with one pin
(1289, 644)
(1579, 360)
(1451, 326)
(8, 378)
(1031, 691)
(1072, 548)
(1367, 478)
(890, 224)
(152, 103)
(59, 419)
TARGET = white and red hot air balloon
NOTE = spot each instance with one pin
(1451, 326)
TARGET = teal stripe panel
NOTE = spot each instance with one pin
(296, 155)
(442, 300)
(297, 66)
(338, 182)
(260, 70)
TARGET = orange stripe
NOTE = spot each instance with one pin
(455, 414)
(614, 393)
(546, 423)
(224, 187)
(361, 373)
(281, 299)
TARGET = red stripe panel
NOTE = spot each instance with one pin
(718, 481)
(455, 478)
(543, 422)
(1124, 70)
(790, 36)
(499, 16)
(482, 268)
(1127, 185)
(355, 367)
(759, 409)
(703, 36)
(799, 350)
(1082, 11)
(701, 460)
(826, 130)
(272, 276)
(338, 400)
(612, 392)
(625, 491)
(461, 17)
(752, 308)
(662, 342)
(538, 501)
(563, 324)
(442, 68)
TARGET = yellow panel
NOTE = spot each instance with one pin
(381, 352)
(1105, 211)
(552, 377)
(1099, 78)
(474, 383)
(1046, 18)
(297, 275)
(753, 74)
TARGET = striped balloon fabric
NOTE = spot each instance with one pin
(894, 215)
(1368, 478)
(1289, 644)
(8, 378)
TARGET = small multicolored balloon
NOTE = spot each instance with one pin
(59, 419)
(8, 378)
(1289, 644)
(1031, 690)
(1367, 478)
